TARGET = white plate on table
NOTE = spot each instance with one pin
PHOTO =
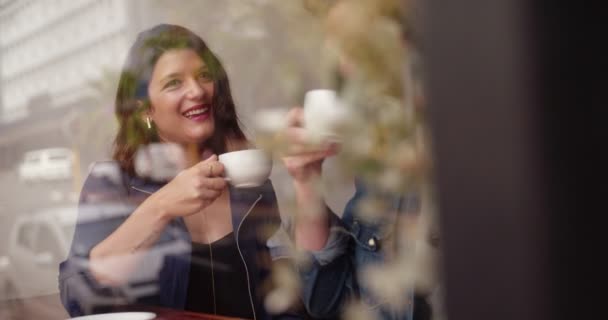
(119, 316)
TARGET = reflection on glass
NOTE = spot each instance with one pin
(57, 123)
(159, 226)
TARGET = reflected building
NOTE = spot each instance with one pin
(51, 52)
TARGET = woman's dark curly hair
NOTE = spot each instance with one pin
(132, 99)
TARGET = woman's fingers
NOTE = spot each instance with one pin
(210, 194)
(212, 182)
(305, 159)
(298, 140)
(217, 169)
(295, 117)
(205, 167)
(210, 167)
(326, 149)
(196, 188)
(300, 143)
(217, 183)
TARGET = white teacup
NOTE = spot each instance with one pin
(246, 168)
(324, 113)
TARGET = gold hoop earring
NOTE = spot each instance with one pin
(148, 123)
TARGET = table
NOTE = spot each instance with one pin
(48, 307)
(167, 314)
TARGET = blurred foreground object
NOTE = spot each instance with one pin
(162, 161)
(378, 250)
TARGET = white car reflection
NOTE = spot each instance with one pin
(7, 291)
(47, 164)
(96, 220)
(38, 243)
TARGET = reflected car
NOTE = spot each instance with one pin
(141, 285)
(6, 289)
(109, 179)
(36, 245)
(39, 242)
(47, 164)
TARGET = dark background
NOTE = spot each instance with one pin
(517, 90)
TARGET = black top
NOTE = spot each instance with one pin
(229, 280)
(114, 194)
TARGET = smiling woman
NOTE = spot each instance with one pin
(181, 92)
(169, 72)
(190, 243)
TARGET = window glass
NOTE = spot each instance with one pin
(47, 241)
(25, 236)
(61, 67)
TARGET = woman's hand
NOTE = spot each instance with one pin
(303, 160)
(192, 189)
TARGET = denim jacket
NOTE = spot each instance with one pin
(107, 199)
(332, 278)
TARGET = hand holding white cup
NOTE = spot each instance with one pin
(246, 168)
(324, 114)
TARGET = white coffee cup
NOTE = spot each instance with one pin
(246, 168)
(324, 113)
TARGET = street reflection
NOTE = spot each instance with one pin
(60, 63)
(59, 68)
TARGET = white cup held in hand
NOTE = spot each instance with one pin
(324, 113)
(246, 168)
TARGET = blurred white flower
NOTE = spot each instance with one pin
(372, 208)
(404, 157)
(286, 291)
(360, 144)
(271, 120)
(359, 311)
(159, 161)
(391, 283)
(391, 179)
(279, 300)
(391, 111)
